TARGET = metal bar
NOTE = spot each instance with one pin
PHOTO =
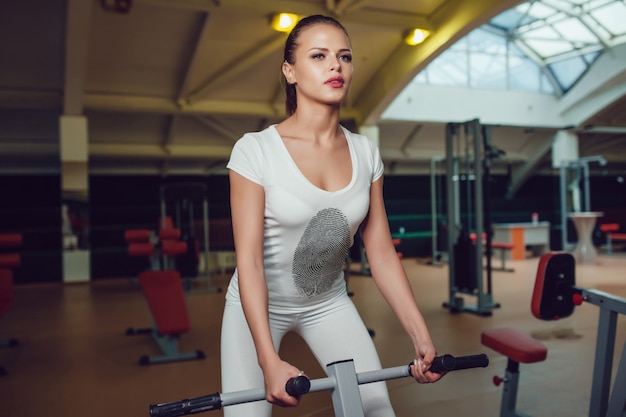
(563, 190)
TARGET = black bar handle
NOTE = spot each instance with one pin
(187, 406)
(451, 363)
(298, 386)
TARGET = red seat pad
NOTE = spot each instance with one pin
(137, 235)
(173, 247)
(10, 260)
(6, 290)
(514, 344)
(170, 234)
(164, 292)
(10, 240)
(141, 249)
(500, 245)
(609, 227)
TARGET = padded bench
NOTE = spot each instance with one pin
(502, 247)
(166, 299)
(611, 230)
(518, 347)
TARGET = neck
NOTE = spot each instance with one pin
(317, 120)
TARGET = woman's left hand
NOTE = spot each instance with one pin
(420, 370)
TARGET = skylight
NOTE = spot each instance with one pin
(540, 45)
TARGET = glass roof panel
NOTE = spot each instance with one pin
(612, 17)
(510, 19)
(575, 31)
(567, 71)
(537, 10)
(561, 38)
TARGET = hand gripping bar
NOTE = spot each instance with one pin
(302, 385)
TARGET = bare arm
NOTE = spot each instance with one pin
(392, 281)
(247, 211)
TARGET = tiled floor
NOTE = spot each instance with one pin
(74, 358)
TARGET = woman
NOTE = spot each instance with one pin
(300, 190)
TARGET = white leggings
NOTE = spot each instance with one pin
(333, 330)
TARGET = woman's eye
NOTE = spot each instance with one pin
(318, 56)
(347, 58)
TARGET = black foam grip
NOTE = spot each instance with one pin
(298, 386)
(451, 363)
(186, 407)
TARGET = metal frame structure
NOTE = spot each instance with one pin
(469, 134)
(437, 255)
(183, 196)
(343, 381)
(605, 402)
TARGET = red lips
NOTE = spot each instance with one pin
(335, 82)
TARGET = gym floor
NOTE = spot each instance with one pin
(74, 358)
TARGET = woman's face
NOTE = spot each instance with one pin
(322, 71)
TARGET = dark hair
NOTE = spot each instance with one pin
(291, 43)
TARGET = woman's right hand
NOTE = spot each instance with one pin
(276, 376)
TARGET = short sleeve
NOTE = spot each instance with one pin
(246, 159)
(377, 162)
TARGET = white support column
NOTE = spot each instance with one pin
(73, 135)
(564, 148)
(372, 132)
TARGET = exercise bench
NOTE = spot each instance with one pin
(163, 290)
(503, 247)
(8, 262)
(164, 293)
(518, 347)
(612, 234)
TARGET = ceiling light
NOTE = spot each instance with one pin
(416, 36)
(284, 22)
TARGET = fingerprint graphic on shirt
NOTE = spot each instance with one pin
(321, 252)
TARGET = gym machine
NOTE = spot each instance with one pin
(555, 296)
(180, 202)
(468, 147)
(437, 217)
(342, 380)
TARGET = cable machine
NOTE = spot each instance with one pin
(468, 159)
(437, 213)
(181, 202)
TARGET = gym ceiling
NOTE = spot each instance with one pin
(168, 86)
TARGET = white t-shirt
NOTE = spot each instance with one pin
(308, 231)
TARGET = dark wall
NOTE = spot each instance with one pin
(118, 203)
(31, 205)
(121, 203)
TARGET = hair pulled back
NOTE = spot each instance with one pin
(291, 44)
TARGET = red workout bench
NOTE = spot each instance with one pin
(612, 234)
(8, 262)
(166, 299)
(518, 347)
(163, 290)
(500, 246)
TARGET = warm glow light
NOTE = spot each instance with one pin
(416, 36)
(284, 22)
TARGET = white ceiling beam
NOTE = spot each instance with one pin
(376, 17)
(353, 6)
(147, 152)
(202, 39)
(143, 104)
(217, 127)
(247, 60)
